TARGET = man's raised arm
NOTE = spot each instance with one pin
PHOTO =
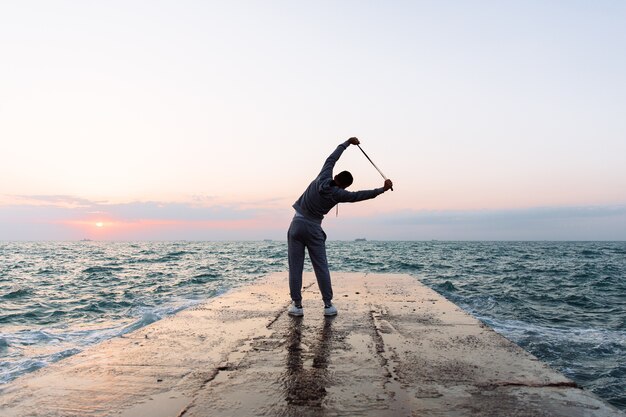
(329, 164)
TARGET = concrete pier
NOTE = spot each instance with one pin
(396, 348)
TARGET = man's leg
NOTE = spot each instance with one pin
(295, 251)
(317, 253)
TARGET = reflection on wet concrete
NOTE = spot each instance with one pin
(304, 385)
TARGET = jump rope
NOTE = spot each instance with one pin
(377, 169)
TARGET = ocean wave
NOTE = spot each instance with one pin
(31, 337)
(49, 271)
(102, 269)
(446, 287)
(178, 254)
(583, 354)
(590, 253)
(13, 369)
(206, 277)
(80, 339)
(143, 260)
(16, 291)
(546, 340)
(409, 266)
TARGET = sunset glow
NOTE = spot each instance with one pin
(99, 224)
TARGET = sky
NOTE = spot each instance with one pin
(200, 120)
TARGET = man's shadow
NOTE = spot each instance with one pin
(307, 385)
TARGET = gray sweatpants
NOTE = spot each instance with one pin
(302, 234)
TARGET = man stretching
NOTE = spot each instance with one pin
(306, 227)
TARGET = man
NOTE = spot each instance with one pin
(306, 231)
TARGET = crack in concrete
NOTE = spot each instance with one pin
(237, 354)
(399, 403)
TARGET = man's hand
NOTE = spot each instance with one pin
(388, 185)
(354, 141)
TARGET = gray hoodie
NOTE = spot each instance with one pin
(322, 195)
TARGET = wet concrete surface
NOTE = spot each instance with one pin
(396, 348)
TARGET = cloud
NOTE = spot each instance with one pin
(504, 216)
(176, 211)
(56, 207)
(539, 223)
(59, 217)
(58, 200)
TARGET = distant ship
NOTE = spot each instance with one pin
(85, 240)
(361, 239)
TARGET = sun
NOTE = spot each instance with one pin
(99, 224)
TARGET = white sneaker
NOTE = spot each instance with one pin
(295, 311)
(330, 311)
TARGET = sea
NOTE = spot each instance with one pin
(564, 302)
